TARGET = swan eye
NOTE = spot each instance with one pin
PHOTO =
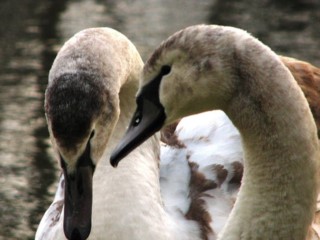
(166, 69)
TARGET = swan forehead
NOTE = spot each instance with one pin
(193, 43)
(74, 104)
(194, 53)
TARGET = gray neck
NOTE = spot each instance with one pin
(278, 192)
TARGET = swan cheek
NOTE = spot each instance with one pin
(175, 97)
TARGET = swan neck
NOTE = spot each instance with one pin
(280, 145)
(130, 193)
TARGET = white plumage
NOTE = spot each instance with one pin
(205, 145)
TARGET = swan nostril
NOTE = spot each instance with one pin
(166, 69)
(137, 120)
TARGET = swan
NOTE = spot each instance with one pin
(207, 67)
(94, 75)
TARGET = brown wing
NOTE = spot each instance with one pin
(308, 77)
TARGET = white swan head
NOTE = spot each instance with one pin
(175, 81)
(82, 108)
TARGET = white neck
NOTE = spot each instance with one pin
(126, 200)
(278, 192)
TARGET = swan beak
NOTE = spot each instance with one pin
(148, 119)
(78, 199)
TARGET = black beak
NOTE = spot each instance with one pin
(78, 198)
(148, 119)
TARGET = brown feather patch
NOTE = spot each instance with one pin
(237, 172)
(221, 172)
(169, 137)
(58, 207)
(197, 211)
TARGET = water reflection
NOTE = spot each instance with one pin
(288, 27)
(43, 165)
(27, 168)
(36, 29)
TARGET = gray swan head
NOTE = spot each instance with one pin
(175, 75)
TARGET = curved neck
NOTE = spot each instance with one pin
(127, 198)
(278, 192)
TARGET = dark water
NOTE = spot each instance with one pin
(32, 31)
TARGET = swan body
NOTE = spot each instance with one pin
(208, 67)
(207, 159)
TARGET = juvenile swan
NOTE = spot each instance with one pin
(205, 67)
(94, 75)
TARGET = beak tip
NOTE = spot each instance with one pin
(114, 160)
(114, 163)
(78, 234)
